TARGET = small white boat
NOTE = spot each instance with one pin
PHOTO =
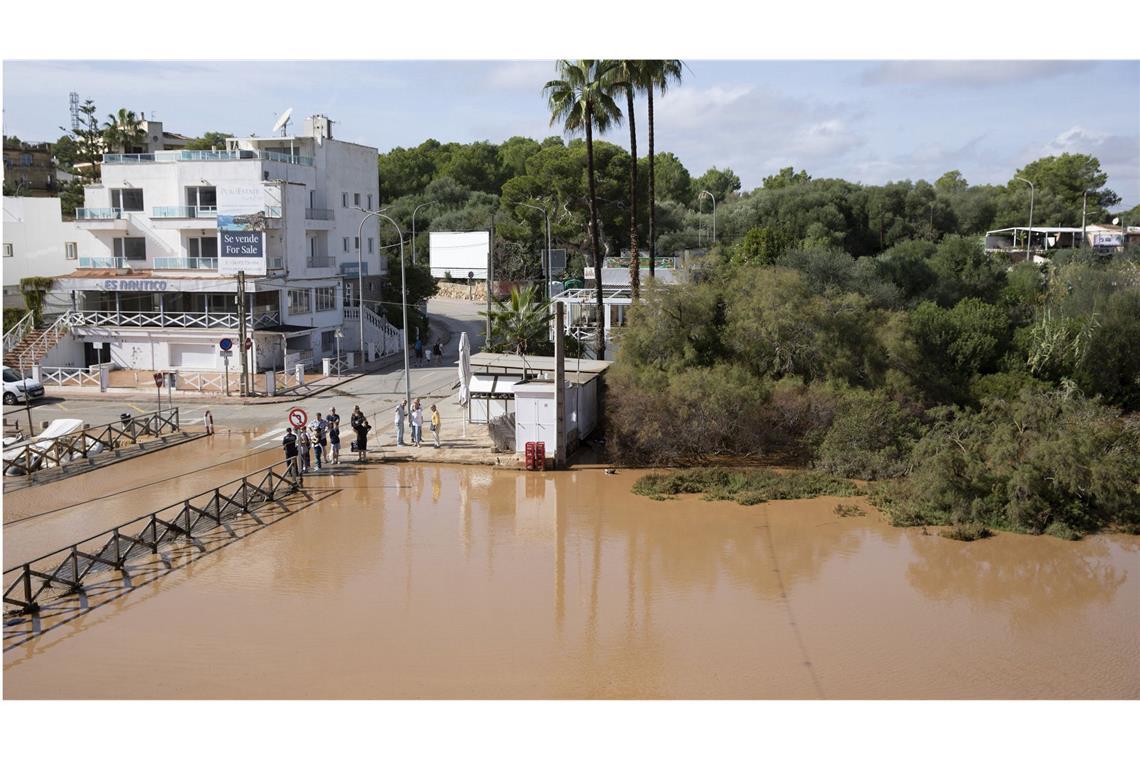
(17, 457)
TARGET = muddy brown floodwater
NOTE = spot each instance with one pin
(418, 581)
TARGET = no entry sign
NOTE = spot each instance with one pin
(297, 417)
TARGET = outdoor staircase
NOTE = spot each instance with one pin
(35, 343)
(377, 330)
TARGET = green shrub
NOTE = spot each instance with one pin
(746, 486)
(970, 531)
(870, 438)
(1043, 460)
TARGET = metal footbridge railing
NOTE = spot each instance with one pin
(31, 588)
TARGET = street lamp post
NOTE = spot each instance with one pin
(1029, 239)
(417, 208)
(1084, 217)
(404, 306)
(546, 264)
(703, 193)
(360, 270)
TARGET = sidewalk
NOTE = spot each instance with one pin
(318, 385)
(461, 442)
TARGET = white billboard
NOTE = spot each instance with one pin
(460, 253)
(242, 215)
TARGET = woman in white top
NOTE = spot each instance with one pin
(417, 423)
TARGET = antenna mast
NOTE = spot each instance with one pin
(73, 98)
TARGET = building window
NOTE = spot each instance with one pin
(370, 201)
(356, 200)
(344, 199)
(25, 159)
(371, 245)
(130, 248)
(203, 248)
(313, 247)
(312, 199)
(7, 250)
(127, 199)
(356, 244)
(328, 341)
(346, 245)
(202, 197)
(71, 250)
(326, 299)
(299, 302)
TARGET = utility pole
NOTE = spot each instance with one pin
(559, 386)
(1084, 217)
(490, 274)
(243, 384)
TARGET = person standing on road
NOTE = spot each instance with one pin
(417, 423)
(435, 424)
(355, 417)
(209, 420)
(361, 427)
(304, 442)
(319, 442)
(419, 352)
(438, 353)
(289, 444)
(332, 418)
(334, 442)
(401, 413)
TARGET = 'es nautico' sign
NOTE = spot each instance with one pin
(144, 285)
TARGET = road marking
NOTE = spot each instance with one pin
(138, 409)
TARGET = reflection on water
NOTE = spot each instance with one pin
(439, 581)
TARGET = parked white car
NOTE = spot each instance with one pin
(16, 387)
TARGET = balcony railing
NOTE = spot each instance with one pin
(319, 262)
(111, 262)
(321, 214)
(98, 214)
(184, 212)
(169, 156)
(181, 319)
(179, 262)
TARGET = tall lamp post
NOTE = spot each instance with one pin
(1029, 239)
(417, 208)
(404, 306)
(546, 264)
(703, 193)
(360, 269)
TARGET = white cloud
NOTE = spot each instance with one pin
(826, 138)
(521, 75)
(968, 73)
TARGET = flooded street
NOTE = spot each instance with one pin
(422, 581)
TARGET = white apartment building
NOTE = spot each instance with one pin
(36, 244)
(147, 293)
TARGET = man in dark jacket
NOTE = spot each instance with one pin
(289, 444)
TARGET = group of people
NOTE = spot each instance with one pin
(435, 350)
(320, 441)
(415, 416)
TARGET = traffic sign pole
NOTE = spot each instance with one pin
(158, 388)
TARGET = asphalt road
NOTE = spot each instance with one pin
(376, 393)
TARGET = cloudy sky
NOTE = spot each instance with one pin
(865, 121)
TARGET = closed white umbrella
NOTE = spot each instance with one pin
(464, 369)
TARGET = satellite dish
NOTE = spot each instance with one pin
(283, 121)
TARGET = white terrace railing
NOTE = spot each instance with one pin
(205, 381)
(192, 319)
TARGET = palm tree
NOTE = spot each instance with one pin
(122, 129)
(582, 99)
(658, 75)
(519, 320)
(633, 76)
